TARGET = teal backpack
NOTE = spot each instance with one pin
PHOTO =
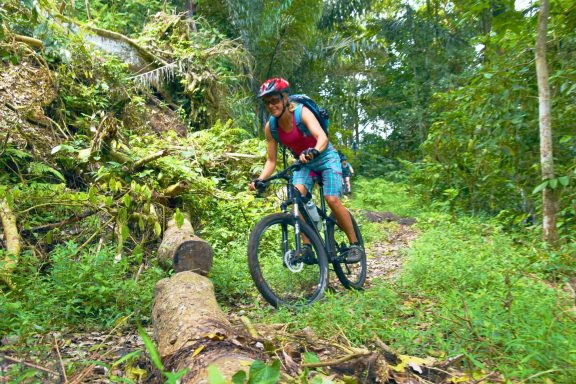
(322, 115)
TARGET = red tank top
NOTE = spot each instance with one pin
(295, 140)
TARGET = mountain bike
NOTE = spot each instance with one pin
(281, 269)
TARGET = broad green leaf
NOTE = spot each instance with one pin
(179, 217)
(310, 357)
(260, 373)
(215, 376)
(553, 183)
(564, 180)
(540, 187)
(239, 377)
(124, 231)
(126, 200)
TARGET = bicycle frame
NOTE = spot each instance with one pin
(295, 199)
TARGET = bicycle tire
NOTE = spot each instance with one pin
(278, 284)
(352, 276)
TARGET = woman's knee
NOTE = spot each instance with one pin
(302, 189)
(332, 200)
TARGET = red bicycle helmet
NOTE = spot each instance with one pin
(272, 86)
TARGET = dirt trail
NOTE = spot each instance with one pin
(385, 257)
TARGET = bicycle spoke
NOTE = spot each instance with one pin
(283, 275)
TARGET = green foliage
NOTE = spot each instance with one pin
(380, 194)
(482, 145)
(126, 17)
(276, 34)
(259, 373)
(494, 291)
(86, 288)
(211, 85)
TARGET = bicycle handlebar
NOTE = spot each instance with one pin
(284, 174)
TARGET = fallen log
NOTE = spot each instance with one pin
(183, 251)
(192, 332)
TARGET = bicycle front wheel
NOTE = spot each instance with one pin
(351, 275)
(282, 275)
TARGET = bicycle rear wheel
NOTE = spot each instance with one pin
(282, 276)
(353, 275)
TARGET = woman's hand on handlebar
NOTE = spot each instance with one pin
(252, 185)
(258, 185)
(308, 155)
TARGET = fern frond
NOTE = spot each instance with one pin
(17, 153)
(40, 169)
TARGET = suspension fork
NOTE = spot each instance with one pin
(296, 214)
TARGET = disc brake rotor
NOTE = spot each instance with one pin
(290, 264)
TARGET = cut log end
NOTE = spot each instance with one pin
(194, 255)
(183, 251)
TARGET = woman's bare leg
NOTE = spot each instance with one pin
(342, 217)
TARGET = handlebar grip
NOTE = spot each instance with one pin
(260, 187)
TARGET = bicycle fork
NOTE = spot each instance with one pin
(297, 240)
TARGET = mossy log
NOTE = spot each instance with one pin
(12, 238)
(183, 251)
(176, 189)
(29, 40)
(192, 331)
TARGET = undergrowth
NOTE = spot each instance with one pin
(76, 290)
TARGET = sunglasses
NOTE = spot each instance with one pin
(272, 100)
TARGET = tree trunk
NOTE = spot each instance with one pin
(12, 238)
(549, 196)
(183, 251)
(192, 331)
(88, 15)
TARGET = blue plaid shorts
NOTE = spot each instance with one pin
(328, 165)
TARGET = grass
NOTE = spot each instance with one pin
(466, 287)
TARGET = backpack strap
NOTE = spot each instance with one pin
(273, 124)
(299, 123)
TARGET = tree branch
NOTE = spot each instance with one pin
(70, 220)
(146, 54)
(29, 40)
(13, 245)
(338, 361)
(140, 163)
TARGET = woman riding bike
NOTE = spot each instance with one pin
(314, 151)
